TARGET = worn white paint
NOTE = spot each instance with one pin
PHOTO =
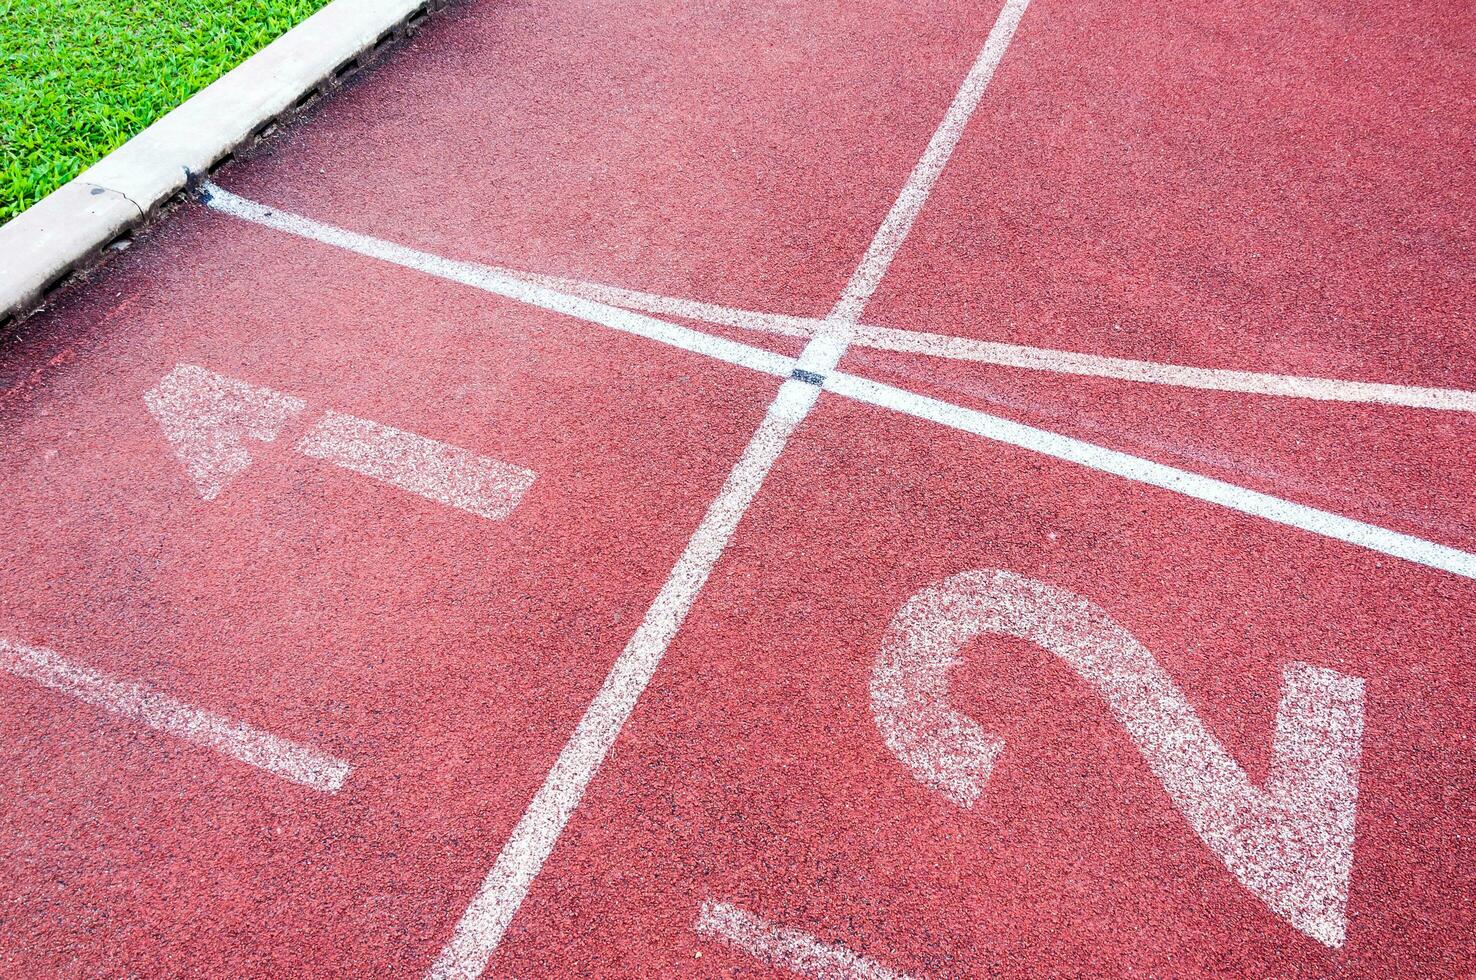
(783, 324)
(1310, 519)
(491, 280)
(278, 756)
(1173, 375)
(435, 470)
(1138, 469)
(1290, 844)
(788, 949)
(1044, 359)
(206, 417)
(919, 185)
(482, 927)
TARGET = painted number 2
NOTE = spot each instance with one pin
(1290, 844)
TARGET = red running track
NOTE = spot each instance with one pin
(954, 698)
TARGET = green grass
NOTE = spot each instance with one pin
(79, 77)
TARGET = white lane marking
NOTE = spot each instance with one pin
(205, 416)
(909, 203)
(1173, 375)
(1092, 456)
(634, 299)
(1403, 546)
(1290, 844)
(789, 949)
(1045, 359)
(435, 470)
(289, 760)
(499, 283)
(485, 921)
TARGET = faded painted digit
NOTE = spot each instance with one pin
(434, 470)
(1290, 844)
(206, 417)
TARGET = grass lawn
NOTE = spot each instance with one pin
(79, 77)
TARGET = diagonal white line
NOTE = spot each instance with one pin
(482, 927)
(909, 203)
(784, 324)
(495, 281)
(1018, 355)
(485, 921)
(789, 949)
(1140, 470)
(1100, 458)
(240, 741)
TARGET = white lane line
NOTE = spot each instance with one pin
(495, 281)
(481, 928)
(1173, 375)
(909, 203)
(1147, 471)
(784, 324)
(435, 470)
(1045, 359)
(485, 921)
(278, 756)
(1106, 460)
(789, 949)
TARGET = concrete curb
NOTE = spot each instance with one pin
(75, 225)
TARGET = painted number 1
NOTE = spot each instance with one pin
(1290, 843)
